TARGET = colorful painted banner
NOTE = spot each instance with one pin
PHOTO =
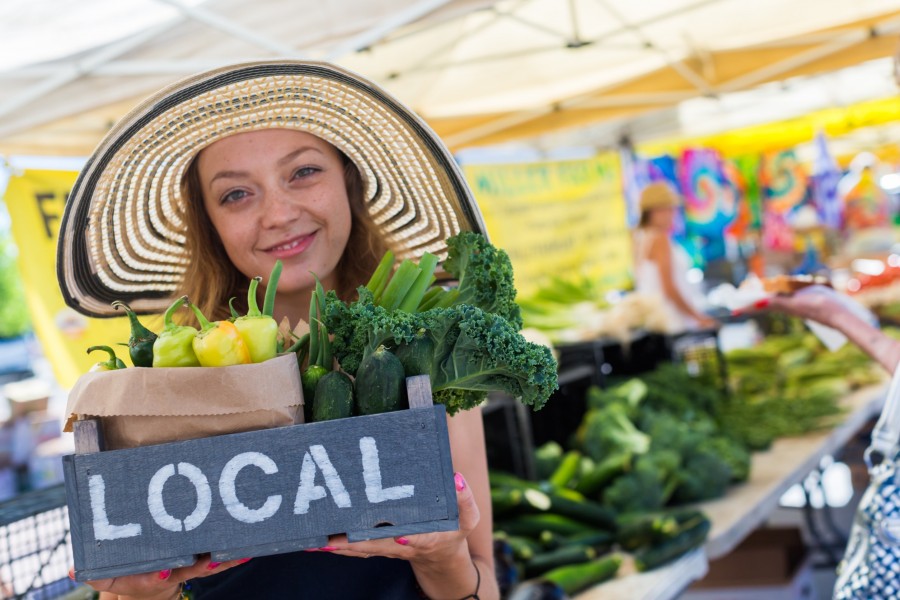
(564, 218)
(785, 190)
(709, 199)
(35, 200)
(826, 175)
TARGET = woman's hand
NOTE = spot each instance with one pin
(423, 549)
(159, 585)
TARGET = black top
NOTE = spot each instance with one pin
(312, 575)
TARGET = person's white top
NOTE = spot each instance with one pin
(647, 280)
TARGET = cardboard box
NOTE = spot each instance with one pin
(771, 564)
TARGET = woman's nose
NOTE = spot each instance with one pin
(279, 208)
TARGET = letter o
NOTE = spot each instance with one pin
(157, 506)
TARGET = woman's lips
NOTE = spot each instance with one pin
(292, 247)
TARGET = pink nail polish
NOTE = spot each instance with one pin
(402, 541)
(244, 560)
(761, 303)
(213, 565)
(71, 574)
(164, 574)
(328, 548)
(460, 482)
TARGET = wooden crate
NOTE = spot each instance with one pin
(262, 492)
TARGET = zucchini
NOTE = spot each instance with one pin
(380, 383)
(333, 398)
(523, 548)
(577, 507)
(567, 471)
(547, 458)
(691, 536)
(505, 500)
(595, 539)
(640, 529)
(606, 470)
(564, 555)
(533, 524)
(551, 540)
(501, 479)
(575, 578)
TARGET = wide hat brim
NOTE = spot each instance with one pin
(121, 235)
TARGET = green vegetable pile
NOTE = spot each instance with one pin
(465, 338)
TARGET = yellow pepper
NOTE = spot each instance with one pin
(219, 343)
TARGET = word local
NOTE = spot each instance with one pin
(315, 460)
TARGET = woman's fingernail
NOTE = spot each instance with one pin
(72, 574)
(243, 560)
(164, 574)
(460, 481)
(401, 540)
(761, 303)
(328, 548)
(213, 565)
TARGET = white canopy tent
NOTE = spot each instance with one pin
(479, 72)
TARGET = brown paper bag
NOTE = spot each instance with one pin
(143, 406)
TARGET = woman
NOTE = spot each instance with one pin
(208, 184)
(661, 266)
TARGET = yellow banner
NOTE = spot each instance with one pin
(562, 218)
(35, 200)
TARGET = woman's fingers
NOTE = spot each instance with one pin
(469, 514)
(159, 583)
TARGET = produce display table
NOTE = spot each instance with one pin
(664, 583)
(747, 506)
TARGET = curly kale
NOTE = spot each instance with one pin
(467, 352)
(485, 276)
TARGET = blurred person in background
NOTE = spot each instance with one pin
(661, 266)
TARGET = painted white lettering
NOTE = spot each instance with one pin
(103, 530)
(156, 504)
(308, 491)
(372, 475)
(233, 505)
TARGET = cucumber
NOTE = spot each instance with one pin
(309, 379)
(564, 555)
(689, 537)
(533, 525)
(416, 356)
(567, 471)
(575, 578)
(334, 397)
(380, 383)
(579, 507)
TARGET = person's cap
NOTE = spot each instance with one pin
(658, 194)
(122, 232)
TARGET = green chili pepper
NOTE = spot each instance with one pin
(114, 363)
(259, 329)
(140, 344)
(320, 352)
(219, 343)
(174, 346)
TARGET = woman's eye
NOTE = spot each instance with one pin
(305, 172)
(233, 196)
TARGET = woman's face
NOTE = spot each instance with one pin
(664, 218)
(278, 194)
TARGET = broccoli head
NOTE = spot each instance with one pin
(703, 475)
(642, 489)
(608, 431)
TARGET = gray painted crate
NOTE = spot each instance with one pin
(261, 492)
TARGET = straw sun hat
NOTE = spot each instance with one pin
(121, 235)
(658, 194)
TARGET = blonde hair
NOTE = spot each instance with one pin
(211, 279)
